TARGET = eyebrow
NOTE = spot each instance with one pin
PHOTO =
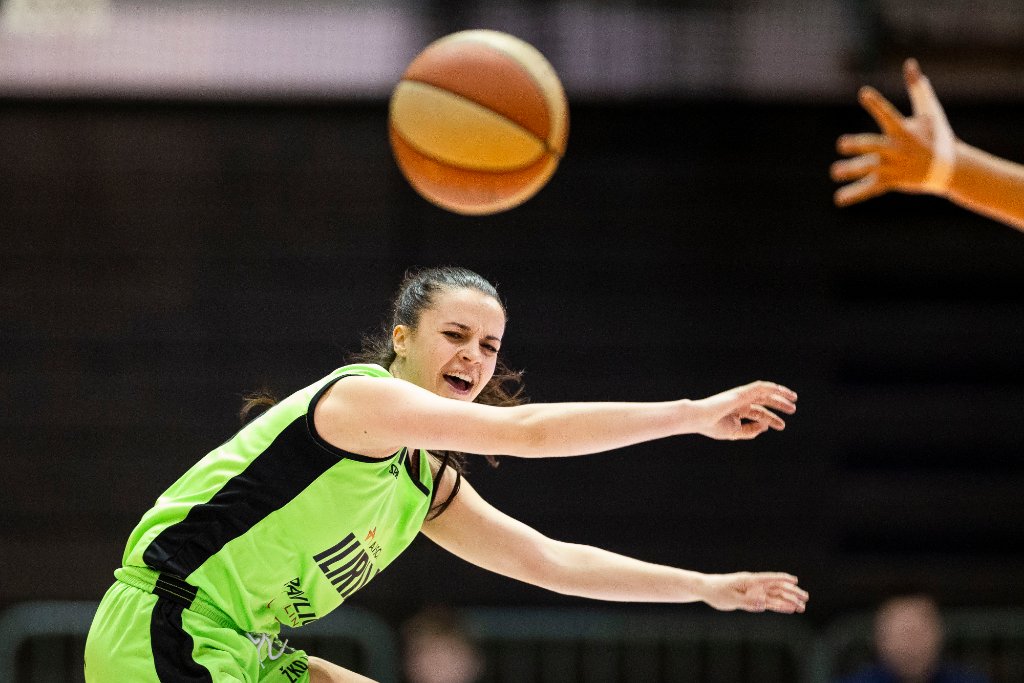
(466, 328)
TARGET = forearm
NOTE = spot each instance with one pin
(988, 185)
(590, 572)
(480, 534)
(566, 429)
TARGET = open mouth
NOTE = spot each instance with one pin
(460, 383)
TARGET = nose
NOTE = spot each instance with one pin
(471, 352)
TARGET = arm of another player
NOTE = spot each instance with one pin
(374, 415)
(480, 534)
(919, 154)
(322, 671)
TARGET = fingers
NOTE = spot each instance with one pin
(756, 600)
(855, 168)
(787, 598)
(785, 606)
(758, 420)
(785, 392)
(753, 415)
(861, 143)
(882, 111)
(761, 388)
(776, 593)
(765, 417)
(774, 577)
(780, 403)
(923, 99)
(903, 146)
(865, 188)
(911, 71)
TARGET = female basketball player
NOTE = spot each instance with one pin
(318, 494)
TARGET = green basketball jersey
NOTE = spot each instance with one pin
(276, 526)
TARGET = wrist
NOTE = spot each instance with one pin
(940, 171)
(702, 587)
(687, 417)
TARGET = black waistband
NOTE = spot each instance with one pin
(174, 588)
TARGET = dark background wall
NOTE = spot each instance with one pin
(158, 260)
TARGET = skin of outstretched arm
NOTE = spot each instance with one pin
(376, 416)
(480, 534)
(988, 185)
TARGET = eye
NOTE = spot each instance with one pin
(491, 348)
(452, 334)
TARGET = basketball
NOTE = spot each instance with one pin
(478, 122)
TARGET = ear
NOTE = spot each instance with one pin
(399, 336)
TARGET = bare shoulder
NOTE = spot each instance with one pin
(352, 388)
(362, 398)
(346, 415)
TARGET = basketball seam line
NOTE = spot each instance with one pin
(543, 143)
(447, 164)
(526, 72)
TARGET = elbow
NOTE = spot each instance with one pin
(549, 566)
(528, 435)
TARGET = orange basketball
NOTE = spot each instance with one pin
(478, 122)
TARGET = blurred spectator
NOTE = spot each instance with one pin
(437, 649)
(908, 643)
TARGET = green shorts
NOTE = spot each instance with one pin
(144, 637)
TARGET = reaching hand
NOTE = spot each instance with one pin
(911, 154)
(756, 592)
(744, 412)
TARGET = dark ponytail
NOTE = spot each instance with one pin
(255, 404)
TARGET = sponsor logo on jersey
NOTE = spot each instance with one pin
(299, 611)
(294, 670)
(347, 565)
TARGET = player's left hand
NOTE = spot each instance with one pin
(756, 592)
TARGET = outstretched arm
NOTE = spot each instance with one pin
(376, 416)
(478, 533)
(920, 154)
(322, 671)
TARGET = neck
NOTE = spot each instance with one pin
(396, 368)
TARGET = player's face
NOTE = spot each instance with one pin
(453, 350)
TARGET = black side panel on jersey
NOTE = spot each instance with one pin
(290, 464)
(173, 646)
